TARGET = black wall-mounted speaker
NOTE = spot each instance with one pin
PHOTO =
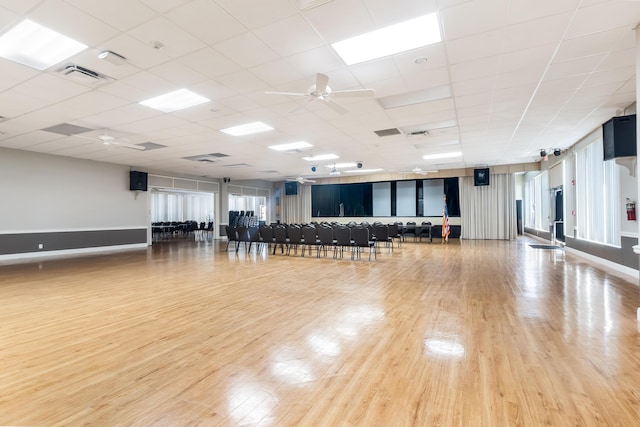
(619, 137)
(137, 181)
(481, 177)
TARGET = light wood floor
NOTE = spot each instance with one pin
(486, 333)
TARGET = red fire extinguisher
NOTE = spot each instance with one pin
(631, 210)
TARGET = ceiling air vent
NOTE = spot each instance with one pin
(387, 132)
(83, 75)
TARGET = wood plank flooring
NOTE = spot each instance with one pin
(473, 333)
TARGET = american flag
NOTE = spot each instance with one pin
(446, 230)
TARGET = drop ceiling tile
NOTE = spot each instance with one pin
(255, 14)
(547, 30)
(112, 12)
(429, 79)
(620, 75)
(473, 86)
(339, 20)
(475, 47)
(518, 78)
(163, 6)
(592, 44)
(473, 18)
(242, 82)
(276, 73)
(14, 74)
(113, 118)
(91, 103)
(473, 70)
(386, 13)
(526, 10)
(72, 22)
(19, 7)
(247, 50)
(178, 73)
(139, 54)
(210, 63)
(535, 58)
(320, 60)
(278, 36)
(435, 55)
(618, 59)
(46, 89)
(605, 17)
(139, 87)
(207, 21)
(575, 67)
(164, 121)
(175, 40)
(376, 70)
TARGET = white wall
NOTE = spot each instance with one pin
(42, 192)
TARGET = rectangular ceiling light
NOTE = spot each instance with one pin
(320, 157)
(341, 165)
(442, 155)
(31, 44)
(364, 171)
(247, 129)
(407, 35)
(291, 146)
(174, 101)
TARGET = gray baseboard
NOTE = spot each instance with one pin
(20, 243)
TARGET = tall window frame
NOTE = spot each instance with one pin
(597, 196)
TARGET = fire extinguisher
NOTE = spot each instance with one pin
(631, 210)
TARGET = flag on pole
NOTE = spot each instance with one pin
(446, 230)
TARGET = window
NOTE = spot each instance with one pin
(597, 196)
(249, 203)
(537, 211)
(181, 206)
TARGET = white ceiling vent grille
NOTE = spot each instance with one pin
(83, 75)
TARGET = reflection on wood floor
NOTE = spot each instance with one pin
(473, 333)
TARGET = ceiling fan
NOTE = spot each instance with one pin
(321, 92)
(106, 139)
(300, 179)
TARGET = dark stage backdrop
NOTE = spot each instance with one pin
(357, 199)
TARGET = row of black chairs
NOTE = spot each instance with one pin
(322, 237)
(178, 228)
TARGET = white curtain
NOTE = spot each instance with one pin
(296, 209)
(488, 212)
(597, 195)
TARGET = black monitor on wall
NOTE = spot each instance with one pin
(481, 177)
(290, 188)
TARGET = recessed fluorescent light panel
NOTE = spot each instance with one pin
(247, 129)
(31, 44)
(174, 101)
(341, 165)
(442, 155)
(291, 146)
(407, 35)
(320, 157)
(365, 171)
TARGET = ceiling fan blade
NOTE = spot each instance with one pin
(322, 80)
(356, 92)
(309, 180)
(287, 93)
(335, 107)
